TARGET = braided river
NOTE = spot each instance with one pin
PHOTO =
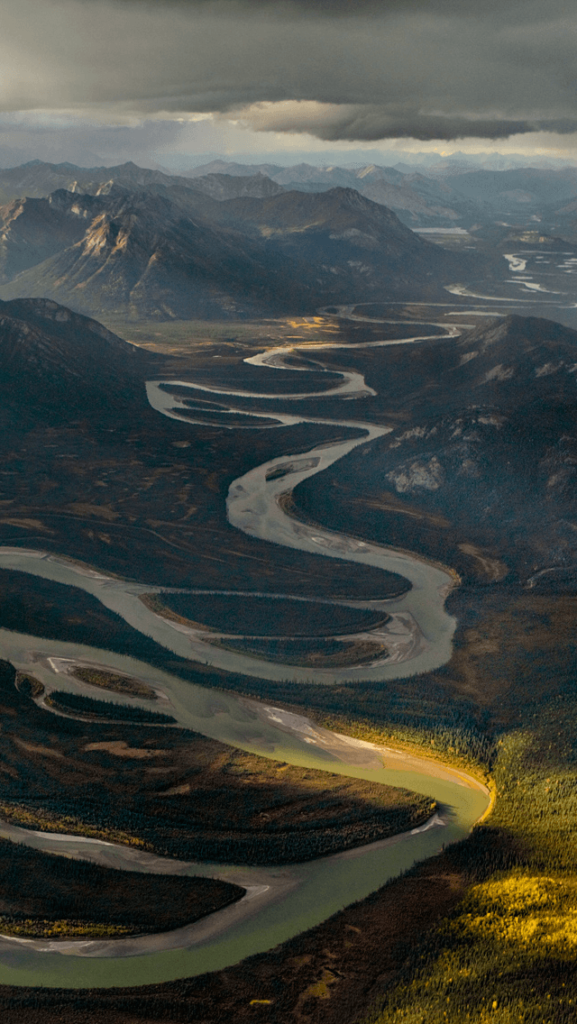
(282, 901)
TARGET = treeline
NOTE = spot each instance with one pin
(30, 604)
(420, 711)
(317, 653)
(207, 802)
(74, 703)
(517, 922)
(221, 825)
(269, 616)
(113, 681)
(45, 894)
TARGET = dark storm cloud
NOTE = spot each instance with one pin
(337, 8)
(366, 70)
(370, 124)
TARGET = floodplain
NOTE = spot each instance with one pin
(502, 707)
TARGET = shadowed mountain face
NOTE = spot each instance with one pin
(344, 233)
(487, 469)
(179, 253)
(33, 230)
(53, 360)
(147, 255)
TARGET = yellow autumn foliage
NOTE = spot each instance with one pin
(525, 910)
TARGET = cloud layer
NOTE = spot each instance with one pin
(368, 70)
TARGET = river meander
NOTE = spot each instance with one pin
(280, 902)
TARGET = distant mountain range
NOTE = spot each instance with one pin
(38, 179)
(416, 199)
(444, 194)
(178, 252)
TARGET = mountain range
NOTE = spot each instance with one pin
(38, 179)
(178, 252)
(240, 240)
(447, 193)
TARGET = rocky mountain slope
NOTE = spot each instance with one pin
(33, 230)
(142, 254)
(485, 476)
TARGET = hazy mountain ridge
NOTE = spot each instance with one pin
(226, 186)
(415, 198)
(447, 193)
(38, 179)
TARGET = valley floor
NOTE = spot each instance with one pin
(485, 931)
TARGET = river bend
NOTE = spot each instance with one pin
(280, 902)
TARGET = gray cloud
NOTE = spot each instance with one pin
(347, 8)
(338, 70)
(373, 123)
(80, 142)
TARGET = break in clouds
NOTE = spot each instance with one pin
(337, 70)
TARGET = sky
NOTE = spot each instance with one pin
(164, 82)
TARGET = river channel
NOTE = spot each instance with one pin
(280, 902)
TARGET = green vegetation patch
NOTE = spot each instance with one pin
(507, 952)
(113, 681)
(198, 414)
(268, 616)
(317, 653)
(29, 685)
(76, 704)
(27, 816)
(47, 896)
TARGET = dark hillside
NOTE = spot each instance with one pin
(52, 359)
(342, 229)
(485, 477)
